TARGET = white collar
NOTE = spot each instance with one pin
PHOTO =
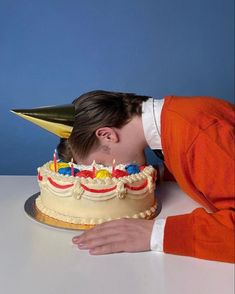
(151, 119)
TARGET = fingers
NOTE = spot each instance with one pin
(107, 249)
(102, 239)
(92, 240)
(103, 245)
(129, 235)
(108, 228)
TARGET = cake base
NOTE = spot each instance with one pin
(33, 212)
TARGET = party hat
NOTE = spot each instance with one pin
(58, 120)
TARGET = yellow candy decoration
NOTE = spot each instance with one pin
(102, 174)
(58, 165)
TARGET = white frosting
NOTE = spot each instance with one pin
(78, 200)
(147, 214)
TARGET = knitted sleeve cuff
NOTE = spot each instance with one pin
(179, 236)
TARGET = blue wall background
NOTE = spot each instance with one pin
(51, 51)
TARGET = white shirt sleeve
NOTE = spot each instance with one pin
(151, 119)
(157, 236)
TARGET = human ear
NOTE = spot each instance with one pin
(107, 134)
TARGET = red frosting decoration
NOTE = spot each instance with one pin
(58, 185)
(154, 177)
(142, 167)
(118, 173)
(40, 177)
(85, 174)
(113, 188)
(138, 187)
(98, 191)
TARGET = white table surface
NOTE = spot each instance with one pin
(35, 258)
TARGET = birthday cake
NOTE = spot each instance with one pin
(90, 195)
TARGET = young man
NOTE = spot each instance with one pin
(196, 136)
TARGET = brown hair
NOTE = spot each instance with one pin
(64, 150)
(97, 109)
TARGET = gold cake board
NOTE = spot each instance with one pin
(33, 212)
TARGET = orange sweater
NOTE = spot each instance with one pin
(198, 145)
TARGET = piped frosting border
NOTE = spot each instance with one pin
(146, 214)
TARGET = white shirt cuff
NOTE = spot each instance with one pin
(157, 235)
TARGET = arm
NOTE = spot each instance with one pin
(206, 173)
(201, 234)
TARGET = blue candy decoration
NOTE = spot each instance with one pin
(76, 170)
(67, 171)
(132, 169)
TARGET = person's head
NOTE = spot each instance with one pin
(108, 126)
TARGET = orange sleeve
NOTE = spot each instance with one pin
(209, 173)
(202, 235)
(204, 169)
(208, 168)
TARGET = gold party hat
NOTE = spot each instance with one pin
(58, 120)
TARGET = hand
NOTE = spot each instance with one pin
(123, 235)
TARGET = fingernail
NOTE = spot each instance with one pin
(76, 239)
(82, 246)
